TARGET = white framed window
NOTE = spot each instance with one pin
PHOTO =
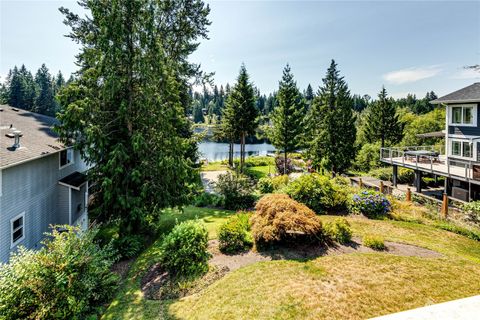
(17, 229)
(66, 158)
(461, 148)
(463, 115)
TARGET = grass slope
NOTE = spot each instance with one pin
(345, 286)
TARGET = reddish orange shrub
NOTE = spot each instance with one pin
(278, 218)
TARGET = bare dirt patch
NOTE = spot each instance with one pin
(157, 284)
(306, 252)
(121, 267)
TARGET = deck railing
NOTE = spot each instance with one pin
(435, 163)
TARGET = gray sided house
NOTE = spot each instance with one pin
(459, 162)
(41, 182)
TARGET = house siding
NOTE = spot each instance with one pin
(466, 131)
(32, 187)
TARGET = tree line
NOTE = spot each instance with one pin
(33, 93)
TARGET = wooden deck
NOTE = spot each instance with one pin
(439, 167)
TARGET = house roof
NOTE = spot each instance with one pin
(37, 136)
(467, 94)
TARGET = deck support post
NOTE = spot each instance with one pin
(409, 195)
(395, 176)
(444, 211)
(418, 181)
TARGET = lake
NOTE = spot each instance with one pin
(217, 151)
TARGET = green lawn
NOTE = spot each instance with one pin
(336, 287)
(261, 171)
(214, 166)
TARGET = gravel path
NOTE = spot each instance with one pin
(209, 178)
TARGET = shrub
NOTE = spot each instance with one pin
(370, 203)
(472, 211)
(319, 193)
(339, 230)
(129, 246)
(368, 157)
(236, 189)
(68, 278)
(184, 249)
(281, 167)
(206, 199)
(405, 176)
(265, 185)
(374, 242)
(280, 182)
(234, 235)
(384, 174)
(278, 218)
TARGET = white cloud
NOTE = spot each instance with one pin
(467, 74)
(411, 74)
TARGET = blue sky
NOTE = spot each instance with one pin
(408, 46)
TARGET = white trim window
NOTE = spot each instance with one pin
(66, 158)
(461, 149)
(17, 229)
(463, 115)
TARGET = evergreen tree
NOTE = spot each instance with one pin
(131, 124)
(241, 116)
(286, 131)
(198, 112)
(382, 122)
(29, 89)
(309, 95)
(333, 133)
(44, 102)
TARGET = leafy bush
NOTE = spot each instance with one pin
(265, 185)
(319, 193)
(68, 278)
(384, 174)
(472, 211)
(236, 189)
(339, 230)
(184, 249)
(280, 182)
(129, 246)
(278, 218)
(206, 199)
(370, 203)
(234, 235)
(405, 175)
(373, 241)
(368, 157)
(283, 168)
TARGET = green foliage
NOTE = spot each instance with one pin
(318, 192)
(206, 199)
(240, 113)
(368, 157)
(234, 235)
(332, 124)
(236, 189)
(129, 246)
(339, 230)
(279, 182)
(265, 185)
(68, 278)
(44, 102)
(405, 175)
(382, 122)
(373, 241)
(432, 121)
(472, 234)
(131, 125)
(280, 219)
(286, 132)
(184, 250)
(472, 211)
(370, 203)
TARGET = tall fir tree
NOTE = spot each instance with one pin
(287, 118)
(44, 101)
(241, 114)
(382, 122)
(333, 132)
(129, 124)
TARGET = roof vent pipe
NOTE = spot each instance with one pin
(17, 134)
